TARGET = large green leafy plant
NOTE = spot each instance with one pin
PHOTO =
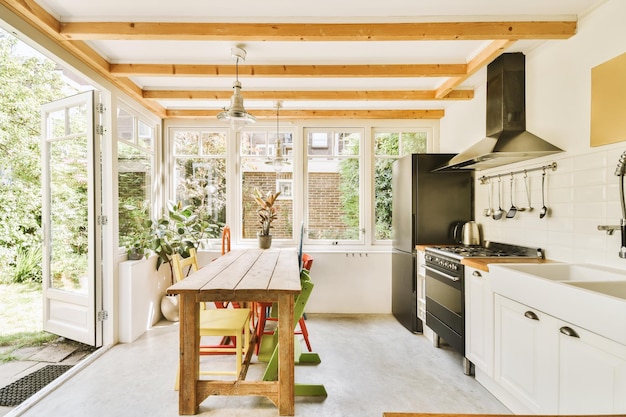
(178, 231)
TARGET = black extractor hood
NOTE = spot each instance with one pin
(507, 139)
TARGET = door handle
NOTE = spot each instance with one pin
(531, 315)
(568, 331)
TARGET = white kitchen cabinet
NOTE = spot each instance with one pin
(526, 358)
(479, 320)
(555, 367)
(592, 373)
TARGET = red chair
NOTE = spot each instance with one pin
(262, 310)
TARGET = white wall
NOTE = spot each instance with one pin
(583, 191)
(350, 282)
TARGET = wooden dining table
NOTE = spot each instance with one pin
(248, 275)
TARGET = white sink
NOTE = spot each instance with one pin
(611, 288)
(590, 296)
(570, 272)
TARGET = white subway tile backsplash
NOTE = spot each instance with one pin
(590, 193)
(591, 209)
(596, 160)
(589, 177)
(582, 193)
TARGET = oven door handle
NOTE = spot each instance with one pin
(450, 277)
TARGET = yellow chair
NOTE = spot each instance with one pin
(231, 322)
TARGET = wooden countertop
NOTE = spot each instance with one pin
(483, 263)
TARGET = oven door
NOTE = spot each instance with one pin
(444, 306)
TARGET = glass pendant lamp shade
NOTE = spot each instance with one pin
(236, 114)
(278, 161)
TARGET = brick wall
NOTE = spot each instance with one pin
(325, 215)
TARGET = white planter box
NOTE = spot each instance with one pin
(141, 288)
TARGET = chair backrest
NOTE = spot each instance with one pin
(184, 266)
(225, 239)
(307, 261)
(300, 245)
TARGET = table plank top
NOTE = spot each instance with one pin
(245, 275)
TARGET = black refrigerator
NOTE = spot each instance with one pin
(425, 206)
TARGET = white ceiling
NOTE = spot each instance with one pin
(309, 52)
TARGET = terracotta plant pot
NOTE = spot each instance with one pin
(265, 241)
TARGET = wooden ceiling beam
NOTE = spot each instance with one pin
(292, 71)
(368, 95)
(319, 32)
(317, 114)
(37, 17)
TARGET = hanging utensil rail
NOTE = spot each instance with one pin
(485, 179)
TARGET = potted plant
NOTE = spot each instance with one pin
(181, 229)
(267, 214)
(137, 236)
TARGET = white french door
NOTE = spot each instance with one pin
(72, 278)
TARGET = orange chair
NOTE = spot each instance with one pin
(262, 310)
(225, 240)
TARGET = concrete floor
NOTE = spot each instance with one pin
(370, 364)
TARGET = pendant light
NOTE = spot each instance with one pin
(236, 114)
(278, 161)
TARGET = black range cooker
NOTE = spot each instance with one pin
(445, 292)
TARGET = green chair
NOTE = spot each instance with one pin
(269, 348)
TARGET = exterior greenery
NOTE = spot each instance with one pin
(26, 82)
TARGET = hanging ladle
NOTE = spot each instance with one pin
(513, 210)
(544, 209)
(489, 210)
(498, 213)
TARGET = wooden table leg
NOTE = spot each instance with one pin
(189, 354)
(286, 391)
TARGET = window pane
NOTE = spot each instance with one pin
(134, 174)
(382, 198)
(388, 146)
(258, 172)
(320, 143)
(186, 142)
(145, 135)
(414, 142)
(200, 173)
(254, 143)
(201, 182)
(334, 203)
(125, 123)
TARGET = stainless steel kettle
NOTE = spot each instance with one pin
(470, 234)
(467, 233)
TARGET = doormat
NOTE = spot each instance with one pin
(22, 389)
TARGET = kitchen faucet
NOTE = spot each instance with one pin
(620, 171)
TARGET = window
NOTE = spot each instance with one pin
(257, 171)
(135, 161)
(389, 145)
(334, 170)
(200, 172)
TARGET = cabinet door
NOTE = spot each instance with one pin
(479, 320)
(592, 373)
(526, 362)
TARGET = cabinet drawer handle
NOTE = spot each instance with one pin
(476, 274)
(531, 315)
(568, 331)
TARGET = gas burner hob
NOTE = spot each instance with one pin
(490, 249)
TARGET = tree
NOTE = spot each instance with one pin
(26, 82)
